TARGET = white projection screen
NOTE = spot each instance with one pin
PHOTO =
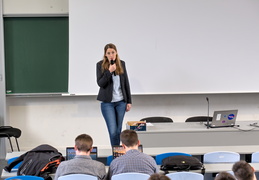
(169, 46)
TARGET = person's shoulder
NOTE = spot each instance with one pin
(147, 156)
(65, 163)
(117, 160)
(99, 62)
(97, 163)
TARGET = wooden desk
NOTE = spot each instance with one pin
(196, 134)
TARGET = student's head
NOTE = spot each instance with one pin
(83, 142)
(225, 176)
(158, 177)
(129, 138)
(243, 170)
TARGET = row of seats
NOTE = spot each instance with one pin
(160, 119)
(124, 176)
(211, 157)
(141, 176)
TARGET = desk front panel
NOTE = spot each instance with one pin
(196, 134)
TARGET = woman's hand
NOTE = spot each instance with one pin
(128, 107)
(112, 68)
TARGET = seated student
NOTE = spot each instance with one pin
(133, 160)
(157, 176)
(82, 163)
(243, 171)
(224, 176)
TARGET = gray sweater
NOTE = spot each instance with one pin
(81, 164)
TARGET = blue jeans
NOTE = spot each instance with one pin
(113, 114)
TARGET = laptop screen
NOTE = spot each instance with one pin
(119, 150)
(70, 153)
(224, 118)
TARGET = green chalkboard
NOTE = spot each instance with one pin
(36, 54)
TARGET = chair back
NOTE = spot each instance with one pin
(109, 160)
(9, 161)
(198, 119)
(157, 119)
(8, 132)
(221, 157)
(162, 156)
(185, 175)
(78, 177)
(131, 176)
(255, 157)
(26, 177)
(229, 172)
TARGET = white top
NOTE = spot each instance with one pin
(116, 94)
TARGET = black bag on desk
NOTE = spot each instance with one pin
(181, 163)
(40, 161)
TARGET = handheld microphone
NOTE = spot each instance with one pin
(208, 121)
(113, 62)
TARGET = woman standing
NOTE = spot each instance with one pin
(114, 92)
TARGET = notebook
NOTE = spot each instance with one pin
(119, 150)
(70, 153)
(226, 118)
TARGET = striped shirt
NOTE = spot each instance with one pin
(133, 161)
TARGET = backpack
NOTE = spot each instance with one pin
(181, 163)
(40, 161)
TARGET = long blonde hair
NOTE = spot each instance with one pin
(105, 65)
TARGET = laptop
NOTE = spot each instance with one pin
(118, 151)
(70, 153)
(226, 118)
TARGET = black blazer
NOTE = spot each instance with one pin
(104, 81)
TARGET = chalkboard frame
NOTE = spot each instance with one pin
(36, 54)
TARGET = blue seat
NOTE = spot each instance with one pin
(255, 157)
(109, 160)
(78, 177)
(27, 177)
(160, 157)
(16, 166)
(185, 176)
(221, 157)
(130, 176)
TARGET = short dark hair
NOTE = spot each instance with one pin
(225, 176)
(84, 142)
(243, 170)
(129, 138)
(157, 176)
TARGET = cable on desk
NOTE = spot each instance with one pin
(237, 127)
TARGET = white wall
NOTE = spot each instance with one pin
(35, 7)
(57, 120)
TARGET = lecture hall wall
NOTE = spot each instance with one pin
(58, 120)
